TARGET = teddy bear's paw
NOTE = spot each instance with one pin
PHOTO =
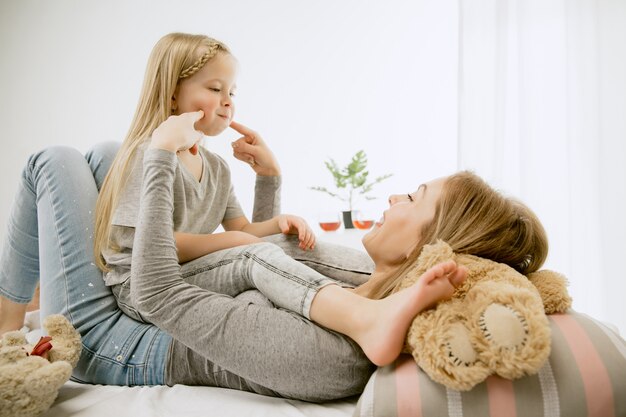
(503, 327)
(459, 346)
(464, 367)
(513, 331)
(444, 348)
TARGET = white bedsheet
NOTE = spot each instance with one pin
(80, 400)
(83, 400)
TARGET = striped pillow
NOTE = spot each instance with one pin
(584, 376)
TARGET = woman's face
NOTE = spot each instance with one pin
(397, 233)
(211, 90)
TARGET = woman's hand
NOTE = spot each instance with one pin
(178, 133)
(294, 225)
(251, 148)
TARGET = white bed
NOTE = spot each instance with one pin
(80, 400)
(83, 400)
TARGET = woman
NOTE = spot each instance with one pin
(318, 364)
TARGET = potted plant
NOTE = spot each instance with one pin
(351, 182)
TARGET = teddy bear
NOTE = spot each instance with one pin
(495, 322)
(30, 376)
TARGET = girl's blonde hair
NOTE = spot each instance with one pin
(176, 56)
(475, 219)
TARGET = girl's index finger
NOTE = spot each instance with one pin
(241, 129)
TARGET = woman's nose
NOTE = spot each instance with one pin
(393, 199)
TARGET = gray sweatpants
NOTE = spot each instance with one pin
(285, 274)
(225, 341)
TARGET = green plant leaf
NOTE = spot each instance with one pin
(352, 177)
(325, 190)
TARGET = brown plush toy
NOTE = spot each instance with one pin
(495, 323)
(30, 376)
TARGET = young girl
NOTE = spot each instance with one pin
(186, 73)
(197, 100)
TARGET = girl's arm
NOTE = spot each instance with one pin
(191, 246)
(252, 149)
(267, 190)
(239, 231)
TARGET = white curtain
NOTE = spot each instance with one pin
(542, 116)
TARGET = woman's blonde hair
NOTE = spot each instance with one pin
(176, 56)
(475, 219)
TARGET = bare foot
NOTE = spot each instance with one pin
(386, 322)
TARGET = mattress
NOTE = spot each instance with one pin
(85, 400)
(82, 400)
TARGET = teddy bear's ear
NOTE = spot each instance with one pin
(13, 338)
(552, 287)
(430, 255)
(66, 344)
(433, 254)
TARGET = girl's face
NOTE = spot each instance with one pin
(395, 236)
(211, 90)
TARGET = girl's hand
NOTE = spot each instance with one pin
(294, 225)
(251, 148)
(178, 133)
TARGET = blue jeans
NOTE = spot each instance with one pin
(49, 240)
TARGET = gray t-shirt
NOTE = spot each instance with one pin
(199, 207)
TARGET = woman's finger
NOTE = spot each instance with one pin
(242, 129)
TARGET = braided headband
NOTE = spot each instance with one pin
(188, 72)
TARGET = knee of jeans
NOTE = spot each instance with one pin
(103, 151)
(288, 243)
(55, 155)
(100, 158)
(265, 249)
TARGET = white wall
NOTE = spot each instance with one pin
(318, 79)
